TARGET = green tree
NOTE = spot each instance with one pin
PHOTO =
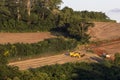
(42, 76)
(117, 59)
(3, 57)
(78, 28)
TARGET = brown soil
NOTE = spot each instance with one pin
(105, 31)
(23, 37)
(110, 48)
(57, 59)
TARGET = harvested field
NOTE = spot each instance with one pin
(24, 37)
(57, 59)
(105, 31)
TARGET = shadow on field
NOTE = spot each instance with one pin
(96, 59)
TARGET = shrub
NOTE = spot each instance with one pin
(53, 45)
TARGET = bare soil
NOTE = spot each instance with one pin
(57, 59)
(110, 48)
(105, 31)
(24, 37)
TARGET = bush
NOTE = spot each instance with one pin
(48, 46)
(117, 59)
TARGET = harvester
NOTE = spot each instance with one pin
(76, 54)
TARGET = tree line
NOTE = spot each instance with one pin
(40, 15)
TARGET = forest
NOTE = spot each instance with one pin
(41, 15)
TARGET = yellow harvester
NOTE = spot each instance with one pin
(75, 54)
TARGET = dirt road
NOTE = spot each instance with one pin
(57, 59)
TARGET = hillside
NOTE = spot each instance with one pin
(105, 31)
(101, 31)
